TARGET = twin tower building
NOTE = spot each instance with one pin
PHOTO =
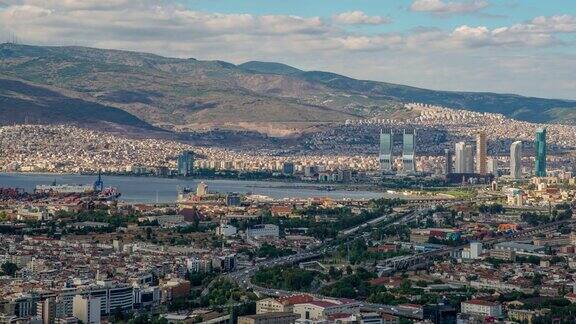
(408, 151)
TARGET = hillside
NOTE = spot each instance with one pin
(269, 68)
(514, 106)
(22, 102)
(188, 94)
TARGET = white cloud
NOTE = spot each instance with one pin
(552, 24)
(79, 4)
(147, 23)
(371, 43)
(540, 31)
(359, 18)
(448, 7)
(417, 57)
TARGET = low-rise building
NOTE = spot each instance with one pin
(283, 304)
(507, 255)
(520, 248)
(174, 288)
(479, 307)
(269, 318)
(263, 230)
(226, 230)
(320, 309)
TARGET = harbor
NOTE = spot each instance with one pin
(163, 190)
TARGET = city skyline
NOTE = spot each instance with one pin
(231, 161)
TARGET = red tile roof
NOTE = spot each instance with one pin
(321, 303)
(295, 299)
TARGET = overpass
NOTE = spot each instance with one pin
(422, 259)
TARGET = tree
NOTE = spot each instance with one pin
(294, 279)
(349, 270)
(406, 285)
(537, 279)
(118, 315)
(9, 268)
(270, 251)
(334, 273)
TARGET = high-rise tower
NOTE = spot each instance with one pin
(516, 160)
(481, 153)
(447, 161)
(464, 158)
(408, 151)
(186, 163)
(386, 145)
(540, 145)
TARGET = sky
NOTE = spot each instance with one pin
(526, 47)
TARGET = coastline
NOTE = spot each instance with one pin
(147, 188)
(297, 184)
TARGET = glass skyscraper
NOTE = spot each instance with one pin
(186, 163)
(386, 145)
(408, 150)
(540, 146)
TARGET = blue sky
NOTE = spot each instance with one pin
(496, 14)
(513, 46)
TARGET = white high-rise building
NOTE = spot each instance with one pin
(493, 166)
(86, 309)
(516, 160)
(464, 158)
(475, 250)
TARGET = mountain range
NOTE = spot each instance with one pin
(97, 87)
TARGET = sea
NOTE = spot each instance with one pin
(138, 189)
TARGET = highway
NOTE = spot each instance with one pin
(242, 277)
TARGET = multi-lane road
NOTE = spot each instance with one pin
(242, 277)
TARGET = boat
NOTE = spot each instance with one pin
(96, 189)
(184, 193)
(108, 194)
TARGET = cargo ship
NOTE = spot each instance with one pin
(64, 188)
(97, 189)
